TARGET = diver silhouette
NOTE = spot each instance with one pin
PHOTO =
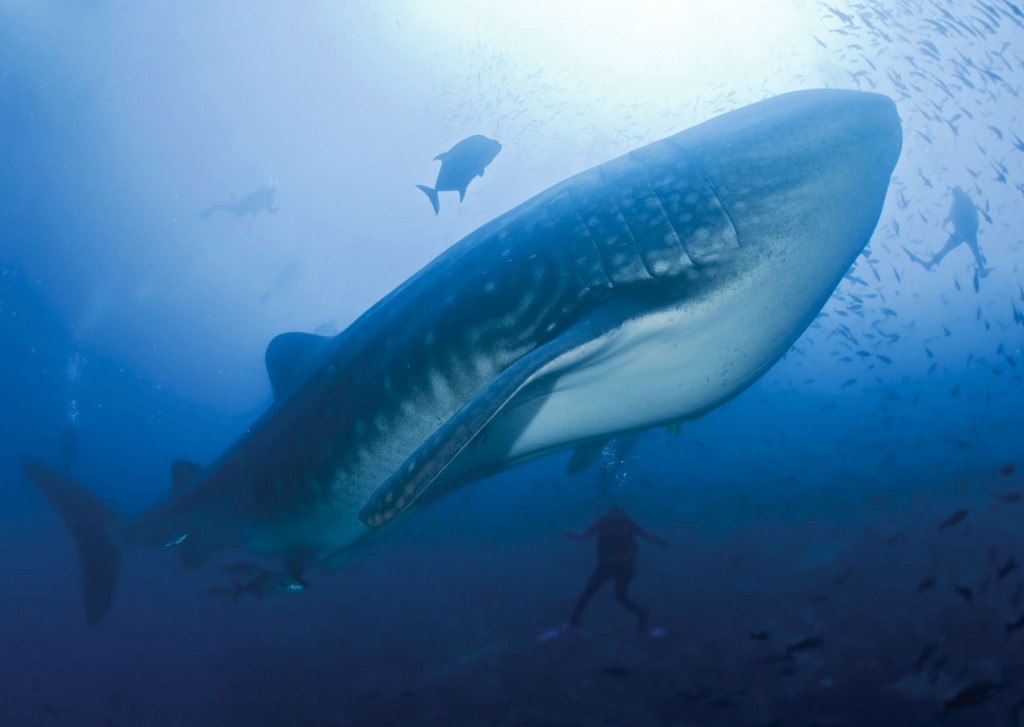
(251, 204)
(616, 558)
(964, 217)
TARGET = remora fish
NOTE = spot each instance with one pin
(645, 291)
(460, 165)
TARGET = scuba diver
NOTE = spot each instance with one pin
(964, 217)
(262, 200)
(616, 558)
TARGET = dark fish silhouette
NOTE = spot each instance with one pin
(927, 653)
(965, 592)
(954, 519)
(251, 204)
(811, 642)
(896, 539)
(926, 584)
(1006, 470)
(1006, 569)
(460, 165)
(1014, 625)
(616, 671)
(267, 583)
(969, 695)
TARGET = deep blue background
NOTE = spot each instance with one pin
(809, 506)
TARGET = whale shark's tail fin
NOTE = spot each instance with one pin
(432, 196)
(89, 519)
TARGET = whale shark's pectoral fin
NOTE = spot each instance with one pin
(584, 455)
(420, 470)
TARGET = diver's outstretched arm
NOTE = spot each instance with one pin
(581, 536)
(652, 538)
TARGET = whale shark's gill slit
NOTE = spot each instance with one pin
(545, 291)
(678, 248)
(597, 246)
(672, 225)
(665, 207)
(721, 205)
(633, 238)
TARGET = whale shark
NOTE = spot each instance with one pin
(642, 292)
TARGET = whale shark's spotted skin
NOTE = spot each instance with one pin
(643, 291)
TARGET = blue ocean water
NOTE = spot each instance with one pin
(843, 535)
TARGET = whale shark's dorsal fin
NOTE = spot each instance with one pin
(289, 357)
(182, 473)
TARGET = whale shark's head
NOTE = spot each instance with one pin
(743, 228)
(802, 178)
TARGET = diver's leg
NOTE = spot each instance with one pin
(979, 259)
(622, 578)
(951, 243)
(914, 258)
(599, 576)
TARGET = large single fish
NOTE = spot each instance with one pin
(645, 291)
(460, 165)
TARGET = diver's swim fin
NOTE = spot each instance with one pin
(914, 258)
(89, 519)
(203, 214)
(432, 196)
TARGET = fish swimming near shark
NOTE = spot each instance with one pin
(258, 584)
(460, 165)
(645, 291)
(267, 582)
